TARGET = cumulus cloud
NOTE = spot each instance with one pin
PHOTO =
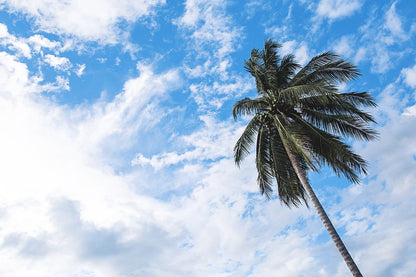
(59, 63)
(90, 20)
(51, 211)
(54, 212)
(13, 43)
(16, 79)
(387, 197)
(73, 213)
(38, 42)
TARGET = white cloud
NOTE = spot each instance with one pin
(382, 206)
(61, 83)
(210, 26)
(213, 141)
(277, 32)
(382, 41)
(119, 120)
(213, 95)
(409, 75)
(288, 47)
(13, 43)
(410, 111)
(56, 212)
(80, 69)
(14, 76)
(76, 216)
(300, 50)
(212, 36)
(59, 63)
(381, 61)
(38, 42)
(344, 46)
(92, 20)
(101, 60)
(334, 9)
(302, 54)
(360, 55)
(393, 22)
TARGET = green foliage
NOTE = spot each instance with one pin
(302, 111)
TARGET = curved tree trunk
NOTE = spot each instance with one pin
(324, 217)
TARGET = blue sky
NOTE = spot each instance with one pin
(117, 135)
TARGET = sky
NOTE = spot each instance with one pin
(117, 135)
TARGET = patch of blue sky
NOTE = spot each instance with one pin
(103, 77)
(17, 23)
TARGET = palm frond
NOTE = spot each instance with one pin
(330, 149)
(290, 189)
(336, 104)
(256, 68)
(327, 66)
(358, 98)
(344, 125)
(249, 106)
(252, 65)
(294, 141)
(294, 94)
(263, 162)
(246, 140)
(270, 56)
(285, 71)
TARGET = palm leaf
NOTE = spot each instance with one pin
(327, 66)
(263, 162)
(290, 189)
(249, 106)
(344, 125)
(246, 140)
(329, 149)
(285, 71)
(292, 95)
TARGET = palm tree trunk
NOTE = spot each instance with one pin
(324, 217)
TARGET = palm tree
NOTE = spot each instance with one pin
(299, 122)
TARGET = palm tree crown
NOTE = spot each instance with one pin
(300, 112)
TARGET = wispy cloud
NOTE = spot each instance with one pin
(337, 9)
(381, 40)
(59, 63)
(409, 75)
(394, 23)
